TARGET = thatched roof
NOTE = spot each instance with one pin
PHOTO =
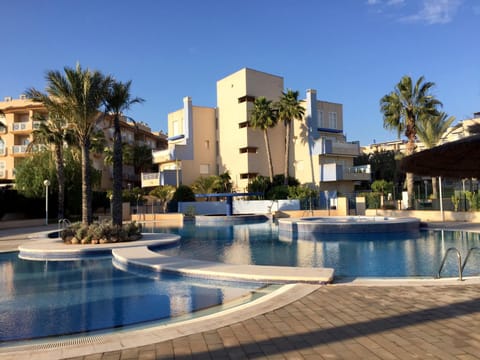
(456, 159)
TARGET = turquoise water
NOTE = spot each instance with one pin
(41, 299)
(416, 254)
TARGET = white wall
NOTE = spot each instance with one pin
(239, 206)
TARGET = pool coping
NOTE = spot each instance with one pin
(144, 258)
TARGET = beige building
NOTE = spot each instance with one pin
(320, 155)
(191, 148)
(17, 122)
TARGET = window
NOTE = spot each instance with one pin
(248, 149)
(243, 124)
(207, 144)
(248, 175)
(175, 128)
(320, 119)
(248, 98)
(332, 120)
(204, 169)
(2, 148)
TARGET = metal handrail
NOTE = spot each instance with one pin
(468, 255)
(63, 223)
(459, 256)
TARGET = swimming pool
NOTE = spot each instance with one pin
(41, 299)
(409, 254)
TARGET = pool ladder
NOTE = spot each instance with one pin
(461, 266)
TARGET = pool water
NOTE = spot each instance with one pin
(410, 254)
(40, 299)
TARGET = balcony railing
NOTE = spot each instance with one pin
(3, 173)
(330, 147)
(19, 149)
(25, 126)
(337, 172)
(162, 156)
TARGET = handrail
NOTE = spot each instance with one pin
(459, 256)
(63, 223)
(468, 255)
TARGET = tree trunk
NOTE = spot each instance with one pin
(269, 155)
(287, 152)
(409, 176)
(117, 215)
(410, 190)
(60, 180)
(86, 184)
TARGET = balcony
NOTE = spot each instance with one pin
(337, 172)
(162, 156)
(329, 147)
(3, 174)
(19, 149)
(3, 151)
(25, 127)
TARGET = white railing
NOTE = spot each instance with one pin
(19, 149)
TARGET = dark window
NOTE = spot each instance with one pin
(248, 149)
(248, 98)
(243, 124)
(248, 175)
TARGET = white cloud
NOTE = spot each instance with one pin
(395, 2)
(435, 12)
(374, 2)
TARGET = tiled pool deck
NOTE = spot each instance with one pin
(358, 319)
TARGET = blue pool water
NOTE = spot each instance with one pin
(41, 299)
(413, 254)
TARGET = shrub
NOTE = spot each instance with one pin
(184, 193)
(100, 233)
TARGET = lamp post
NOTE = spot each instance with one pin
(47, 184)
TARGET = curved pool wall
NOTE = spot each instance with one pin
(348, 225)
(53, 249)
(222, 220)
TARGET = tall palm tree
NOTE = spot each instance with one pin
(289, 108)
(80, 93)
(117, 101)
(402, 109)
(52, 131)
(263, 117)
(430, 130)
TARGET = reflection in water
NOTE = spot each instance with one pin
(366, 254)
(39, 299)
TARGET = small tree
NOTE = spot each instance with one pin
(164, 194)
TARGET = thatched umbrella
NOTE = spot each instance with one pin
(456, 159)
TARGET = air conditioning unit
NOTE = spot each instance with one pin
(7, 98)
(23, 97)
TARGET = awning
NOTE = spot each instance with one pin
(456, 159)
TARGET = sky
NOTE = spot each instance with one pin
(351, 51)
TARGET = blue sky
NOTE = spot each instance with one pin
(351, 51)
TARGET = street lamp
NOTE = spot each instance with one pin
(47, 184)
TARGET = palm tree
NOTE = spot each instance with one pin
(289, 108)
(52, 131)
(80, 93)
(402, 109)
(117, 101)
(430, 130)
(164, 194)
(263, 117)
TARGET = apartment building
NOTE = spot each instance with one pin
(18, 120)
(191, 150)
(320, 155)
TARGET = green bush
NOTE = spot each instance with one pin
(100, 233)
(184, 193)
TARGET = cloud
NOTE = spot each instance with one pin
(435, 12)
(373, 2)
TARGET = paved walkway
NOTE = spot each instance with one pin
(356, 320)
